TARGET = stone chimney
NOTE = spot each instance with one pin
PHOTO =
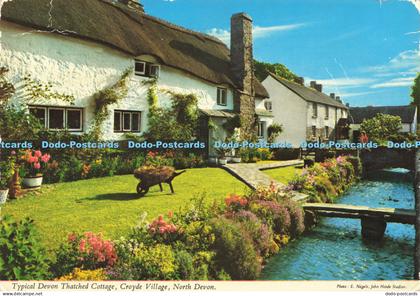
(332, 96)
(242, 66)
(338, 99)
(318, 87)
(300, 80)
(133, 4)
(313, 84)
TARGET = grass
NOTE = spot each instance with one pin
(283, 175)
(111, 205)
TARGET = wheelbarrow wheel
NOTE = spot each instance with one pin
(142, 191)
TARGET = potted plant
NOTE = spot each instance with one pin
(222, 156)
(34, 163)
(6, 172)
(237, 156)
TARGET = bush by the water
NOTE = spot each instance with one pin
(323, 182)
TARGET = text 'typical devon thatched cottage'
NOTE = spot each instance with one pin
(82, 47)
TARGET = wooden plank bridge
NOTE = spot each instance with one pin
(373, 220)
(389, 215)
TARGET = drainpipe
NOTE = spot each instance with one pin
(417, 226)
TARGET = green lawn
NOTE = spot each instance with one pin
(283, 175)
(111, 205)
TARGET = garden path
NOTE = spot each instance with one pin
(251, 175)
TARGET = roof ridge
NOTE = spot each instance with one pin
(117, 5)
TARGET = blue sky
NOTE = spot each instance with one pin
(365, 50)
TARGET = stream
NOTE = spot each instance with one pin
(334, 249)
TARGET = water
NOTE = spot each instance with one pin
(334, 249)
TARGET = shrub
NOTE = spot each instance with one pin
(84, 275)
(21, 255)
(154, 263)
(88, 251)
(234, 250)
(297, 218)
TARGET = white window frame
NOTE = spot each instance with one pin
(64, 119)
(81, 119)
(139, 121)
(261, 129)
(154, 66)
(314, 110)
(45, 114)
(130, 113)
(270, 104)
(327, 112)
(123, 125)
(138, 73)
(220, 96)
(327, 131)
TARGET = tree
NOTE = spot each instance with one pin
(261, 71)
(382, 127)
(415, 93)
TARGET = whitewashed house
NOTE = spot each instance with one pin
(306, 113)
(408, 115)
(82, 47)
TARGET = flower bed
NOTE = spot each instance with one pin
(325, 181)
(202, 242)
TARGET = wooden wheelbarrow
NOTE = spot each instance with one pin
(151, 176)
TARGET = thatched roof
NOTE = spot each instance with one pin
(358, 114)
(309, 94)
(115, 25)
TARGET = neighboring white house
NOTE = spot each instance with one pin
(82, 47)
(408, 115)
(305, 113)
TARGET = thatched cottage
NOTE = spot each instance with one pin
(84, 46)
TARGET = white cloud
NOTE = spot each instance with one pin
(407, 61)
(258, 32)
(396, 82)
(357, 94)
(343, 81)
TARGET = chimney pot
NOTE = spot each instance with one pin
(313, 84)
(318, 87)
(332, 95)
(348, 104)
(338, 99)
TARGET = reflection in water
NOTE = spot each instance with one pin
(334, 249)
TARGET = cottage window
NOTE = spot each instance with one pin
(221, 96)
(261, 129)
(142, 68)
(327, 112)
(40, 113)
(57, 118)
(314, 110)
(268, 105)
(139, 68)
(314, 131)
(327, 132)
(74, 119)
(154, 70)
(127, 121)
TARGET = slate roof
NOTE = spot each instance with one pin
(219, 113)
(115, 25)
(361, 113)
(308, 94)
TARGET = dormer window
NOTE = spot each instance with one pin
(146, 69)
(140, 68)
(154, 70)
(268, 105)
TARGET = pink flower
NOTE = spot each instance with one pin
(32, 159)
(37, 165)
(38, 153)
(45, 158)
